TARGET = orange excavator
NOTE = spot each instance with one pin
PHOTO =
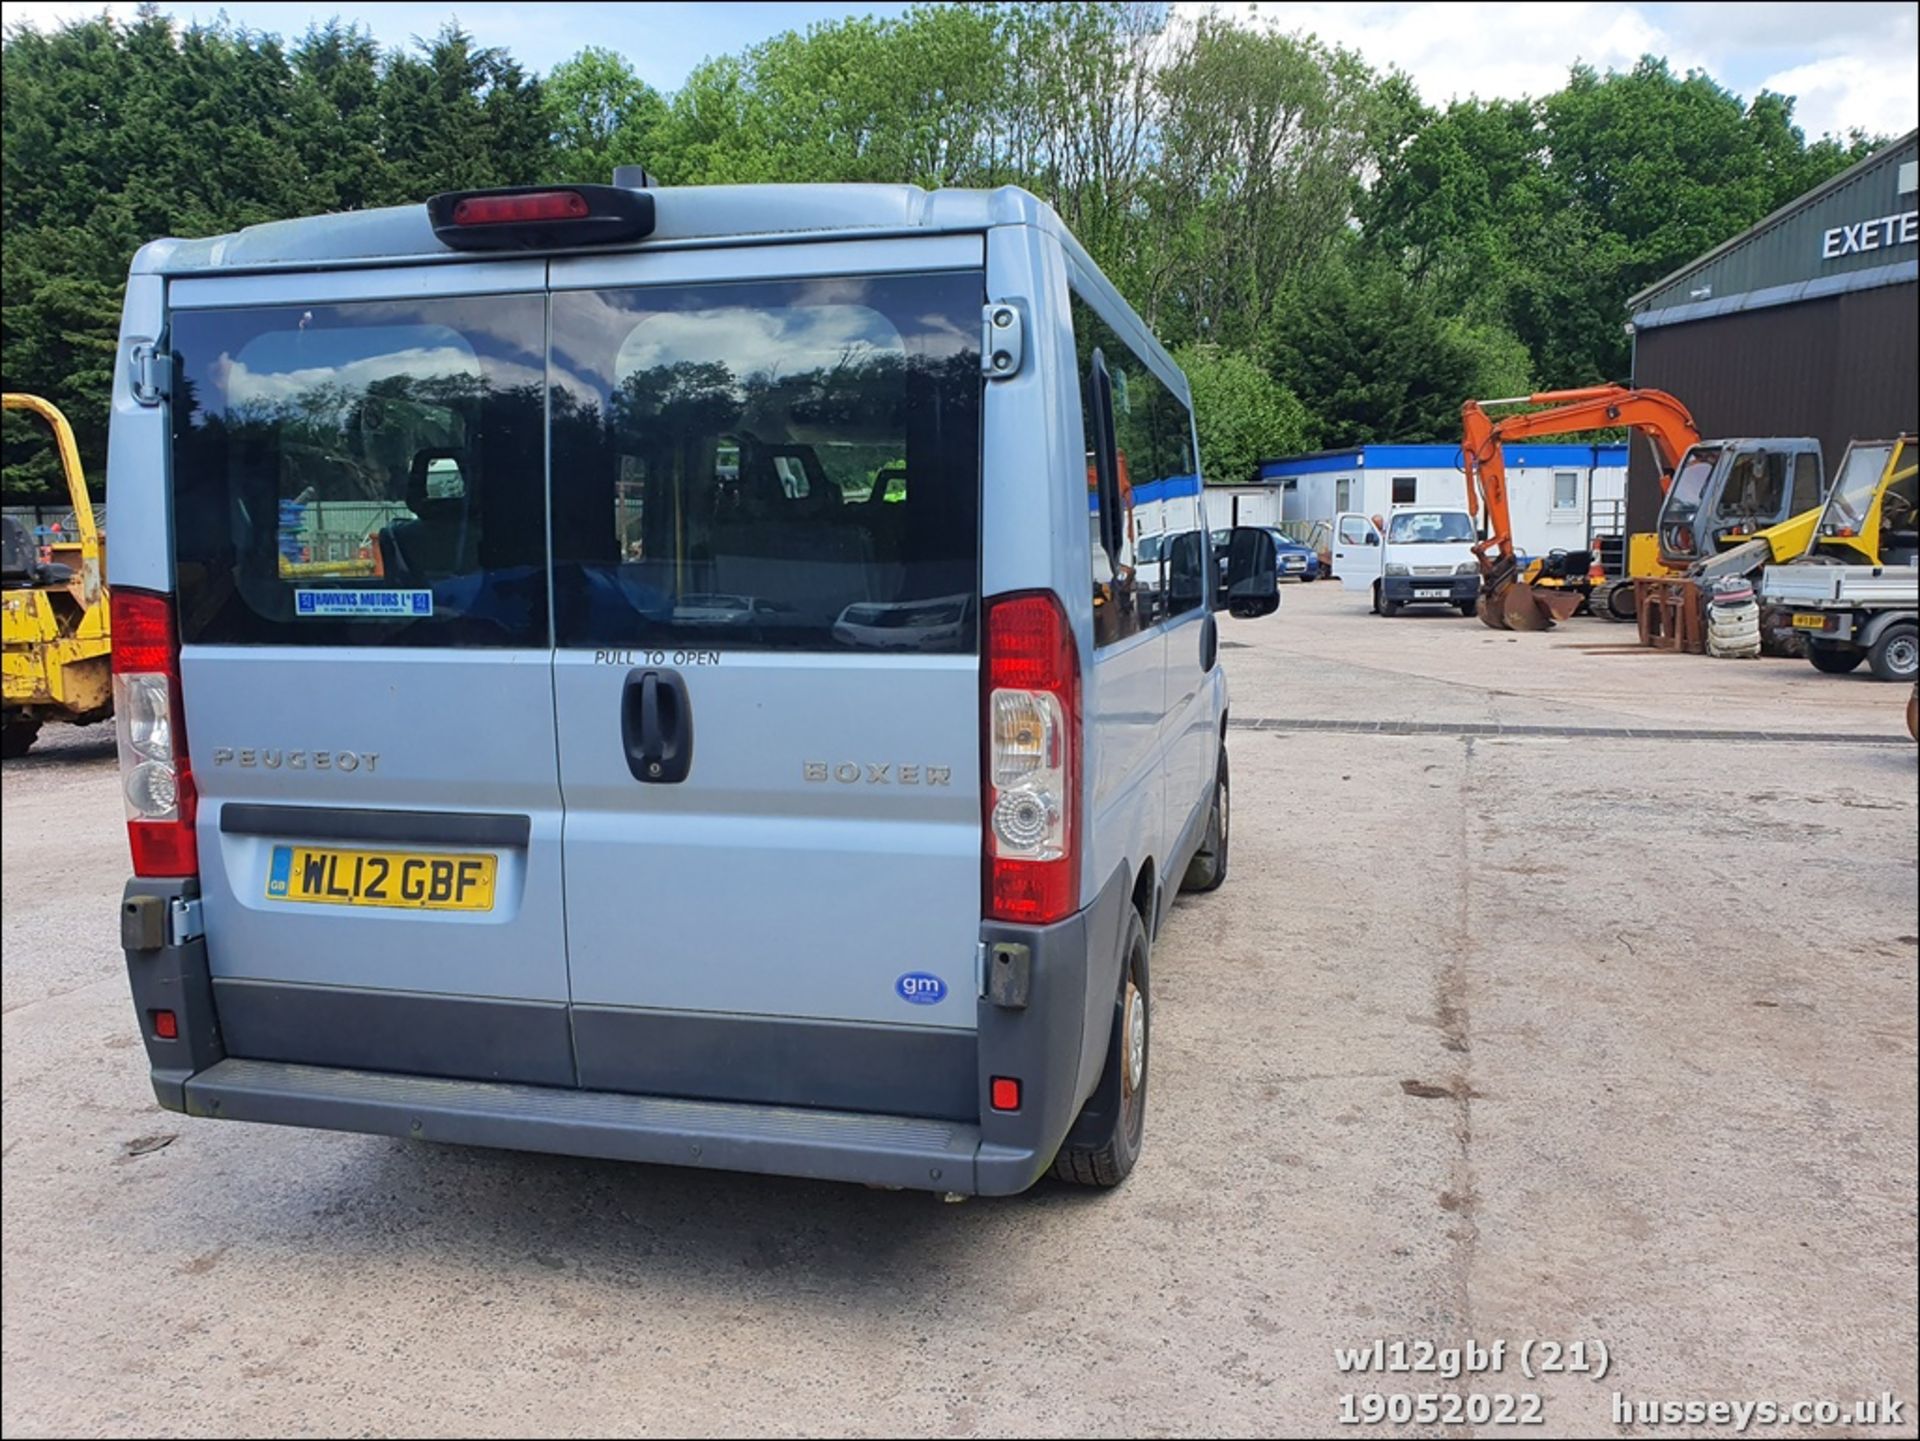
(1507, 601)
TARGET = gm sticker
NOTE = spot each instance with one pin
(921, 989)
(331, 602)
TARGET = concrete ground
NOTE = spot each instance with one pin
(1492, 1036)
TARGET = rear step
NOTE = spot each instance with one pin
(775, 1140)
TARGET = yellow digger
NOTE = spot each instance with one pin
(58, 663)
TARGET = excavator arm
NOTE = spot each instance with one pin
(1505, 603)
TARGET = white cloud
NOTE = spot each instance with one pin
(1850, 64)
(1851, 91)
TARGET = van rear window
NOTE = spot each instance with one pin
(362, 474)
(769, 464)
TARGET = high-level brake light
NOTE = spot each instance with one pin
(513, 209)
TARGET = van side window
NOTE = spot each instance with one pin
(362, 474)
(1153, 446)
(764, 465)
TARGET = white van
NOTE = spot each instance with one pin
(1425, 557)
(664, 675)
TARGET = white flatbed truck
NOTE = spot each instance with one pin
(1851, 613)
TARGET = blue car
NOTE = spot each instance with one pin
(1297, 561)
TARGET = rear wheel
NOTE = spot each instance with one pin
(1208, 868)
(1830, 659)
(1105, 1142)
(16, 735)
(1896, 654)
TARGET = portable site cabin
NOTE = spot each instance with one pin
(1560, 495)
(1254, 503)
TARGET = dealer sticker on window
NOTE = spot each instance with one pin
(331, 602)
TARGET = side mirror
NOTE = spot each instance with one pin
(1373, 537)
(1253, 573)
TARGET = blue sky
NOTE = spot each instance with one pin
(1851, 64)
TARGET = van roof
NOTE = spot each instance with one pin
(684, 215)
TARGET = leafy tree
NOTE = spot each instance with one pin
(1262, 142)
(1373, 359)
(1547, 214)
(601, 114)
(1243, 414)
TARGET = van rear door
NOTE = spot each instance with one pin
(360, 548)
(766, 512)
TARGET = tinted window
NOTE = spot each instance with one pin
(787, 464)
(1404, 487)
(1159, 479)
(362, 474)
(1756, 487)
(1806, 481)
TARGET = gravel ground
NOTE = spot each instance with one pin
(1524, 1036)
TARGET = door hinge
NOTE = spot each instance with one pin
(183, 921)
(149, 370)
(1002, 339)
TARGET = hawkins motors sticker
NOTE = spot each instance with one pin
(397, 603)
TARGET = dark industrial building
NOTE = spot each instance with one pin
(1804, 325)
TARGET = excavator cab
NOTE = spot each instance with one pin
(1872, 514)
(1725, 492)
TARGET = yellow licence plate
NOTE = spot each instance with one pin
(407, 879)
(1809, 622)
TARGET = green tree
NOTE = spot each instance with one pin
(601, 114)
(1262, 142)
(1545, 215)
(1372, 359)
(1243, 414)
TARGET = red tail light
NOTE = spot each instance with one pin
(1030, 792)
(155, 778)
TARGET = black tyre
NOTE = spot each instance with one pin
(1831, 659)
(1896, 654)
(1208, 868)
(1376, 599)
(1391, 608)
(16, 736)
(1308, 578)
(1105, 1141)
(1468, 607)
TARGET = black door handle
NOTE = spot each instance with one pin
(656, 726)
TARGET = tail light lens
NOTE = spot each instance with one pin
(155, 778)
(1031, 791)
(518, 209)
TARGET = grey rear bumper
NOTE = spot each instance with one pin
(772, 1140)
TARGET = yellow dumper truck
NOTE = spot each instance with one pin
(58, 663)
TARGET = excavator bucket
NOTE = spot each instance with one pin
(1512, 604)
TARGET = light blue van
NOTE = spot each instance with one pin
(671, 675)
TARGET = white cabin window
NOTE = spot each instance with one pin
(1566, 490)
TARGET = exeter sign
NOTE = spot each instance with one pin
(1878, 234)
